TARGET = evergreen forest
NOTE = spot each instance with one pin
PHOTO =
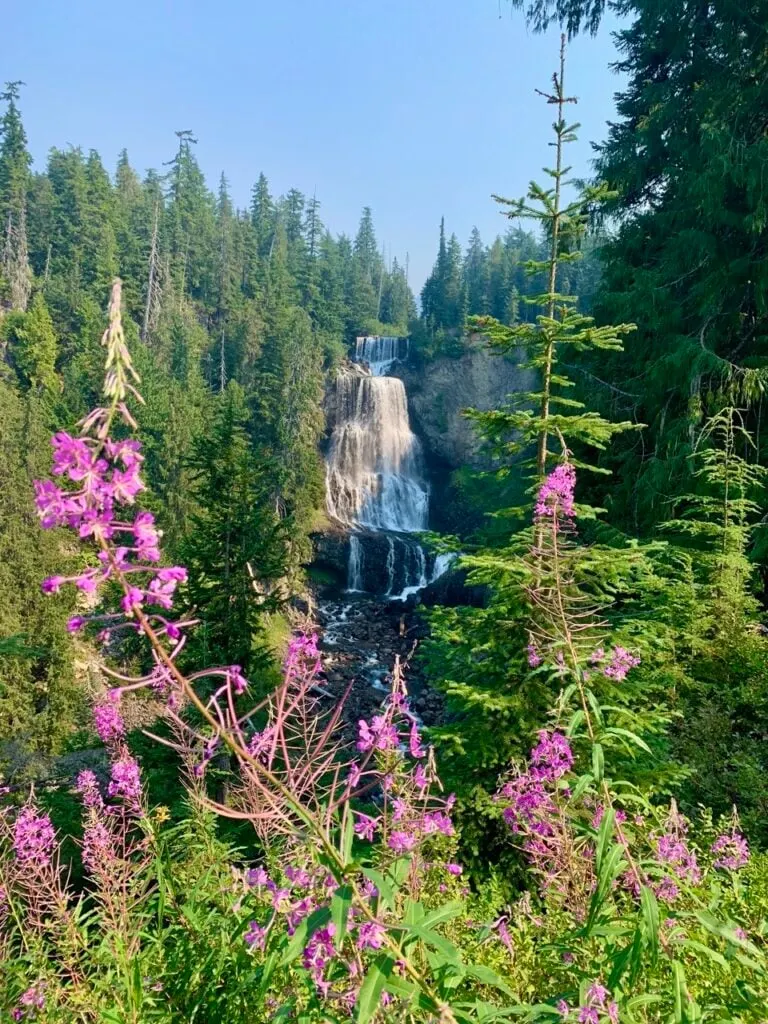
(388, 654)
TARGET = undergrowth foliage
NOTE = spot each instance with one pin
(357, 908)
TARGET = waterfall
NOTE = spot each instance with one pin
(373, 474)
(355, 567)
(380, 353)
(375, 481)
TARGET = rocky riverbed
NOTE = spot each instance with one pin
(360, 640)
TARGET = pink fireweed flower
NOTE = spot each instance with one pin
(30, 1002)
(534, 658)
(366, 827)
(318, 953)
(52, 585)
(563, 1008)
(236, 678)
(370, 935)
(303, 653)
(552, 757)
(298, 877)
(109, 722)
(437, 821)
(97, 845)
(146, 537)
(75, 623)
(256, 936)
(88, 787)
(133, 597)
(379, 735)
(420, 777)
(414, 743)
(125, 780)
(667, 890)
(401, 842)
(597, 993)
(33, 838)
(257, 877)
(733, 850)
(454, 869)
(555, 497)
(260, 744)
(621, 661)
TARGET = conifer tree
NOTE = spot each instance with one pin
(237, 552)
(14, 181)
(30, 343)
(548, 414)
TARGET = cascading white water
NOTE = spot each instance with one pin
(380, 353)
(374, 474)
(355, 566)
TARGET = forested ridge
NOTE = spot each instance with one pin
(192, 824)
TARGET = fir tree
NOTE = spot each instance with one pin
(548, 412)
(238, 551)
(14, 181)
(31, 347)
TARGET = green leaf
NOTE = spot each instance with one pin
(701, 947)
(631, 736)
(604, 836)
(445, 913)
(488, 976)
(651, 917)
(340, 905)
(598, 762)
(347, 835)
(369, 997)
(385, 890)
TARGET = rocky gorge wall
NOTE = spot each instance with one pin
(440, 389)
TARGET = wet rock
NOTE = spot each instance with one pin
(451, 589)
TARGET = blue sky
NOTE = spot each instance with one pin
(417, 108)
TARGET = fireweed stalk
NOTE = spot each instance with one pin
(564, 822)
(284, 783)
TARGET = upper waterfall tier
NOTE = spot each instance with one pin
(374, 475)
(380, 353)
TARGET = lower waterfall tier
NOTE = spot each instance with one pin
(390, 565)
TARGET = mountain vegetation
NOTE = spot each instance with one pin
(190, 829)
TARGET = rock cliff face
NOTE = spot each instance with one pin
(441, 389)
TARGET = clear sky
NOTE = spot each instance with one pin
(417, 108)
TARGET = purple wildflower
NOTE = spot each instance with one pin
(733, 850)
(237, 679)
(366, 826)
(88, 787)
(534, 658)
(555, 497)
(257, 876)
(379, 734)
(109, 722)
(401, 842)
(552, 757)
(318, 953)
(620, 664)
(370, 935)
(33, 838)
(97, 845)
(125, 780)
(414, 743)
(256, 936)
